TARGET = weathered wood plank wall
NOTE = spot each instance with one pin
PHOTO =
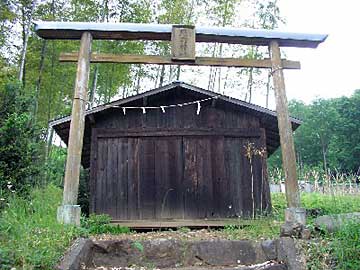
(177, 164)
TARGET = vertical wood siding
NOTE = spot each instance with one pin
(177, 164)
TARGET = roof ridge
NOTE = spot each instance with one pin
(169, 86)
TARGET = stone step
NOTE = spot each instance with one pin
(261, 266)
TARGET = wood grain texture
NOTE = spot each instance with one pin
(285, 130)
(166, 60)
(76, 134)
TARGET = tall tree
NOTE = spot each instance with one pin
(27, 9)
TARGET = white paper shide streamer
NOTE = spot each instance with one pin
(163, 107)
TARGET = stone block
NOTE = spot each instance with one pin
(306, 233)
(288, 253)
(69, 214)
(295, 215)
(334, 222)
(291, 229)
(78, 255)
(269, 248)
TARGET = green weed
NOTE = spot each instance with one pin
(265, 227)
(327, 204)
(345, 246)
(99, 224)
(31, 237)
(138, 246)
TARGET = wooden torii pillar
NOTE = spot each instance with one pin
(69, 212)
(183, 40)
(294, 213)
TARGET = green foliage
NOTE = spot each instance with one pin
(328, 204)
(345, 245)
(329, 135)
(184, 229)
(269, 226)
(138, 246)
(55, 166)
(19, 142)
(51, 83)
(7, 15)
(84, 191)
(99, 224)
(339, 250)
(264, 227)
(30, 235)
(268, 14)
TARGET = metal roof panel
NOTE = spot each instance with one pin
(140, 31)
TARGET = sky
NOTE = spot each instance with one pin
(331, 70)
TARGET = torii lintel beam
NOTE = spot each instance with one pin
(166, 60)
(138, 31)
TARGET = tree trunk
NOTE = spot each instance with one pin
(324, 150)
(26, 33)
(250, 84)
(162, 75)
(38, 82)
(170, 73)
(219, 68)
(212, 70)
(178, 71)
(137, 88)
(93, 87)
(267, 91)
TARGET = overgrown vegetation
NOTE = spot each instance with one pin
(31, 237)
(99, 224)
(269, 226)
(20, 144)
(339, 250)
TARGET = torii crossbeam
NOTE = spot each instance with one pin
(183, 40)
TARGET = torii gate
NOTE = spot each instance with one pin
(183, 40)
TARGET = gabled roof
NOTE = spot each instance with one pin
(268, 118)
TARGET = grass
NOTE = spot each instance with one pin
(31, 237)
(339, 250)
(325, 204)
(260, 228)
(269, 226)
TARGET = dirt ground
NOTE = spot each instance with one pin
(181, 234)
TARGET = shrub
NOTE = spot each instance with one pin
(98, 224)
(19, 143)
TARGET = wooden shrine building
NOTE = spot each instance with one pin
(177, 152)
